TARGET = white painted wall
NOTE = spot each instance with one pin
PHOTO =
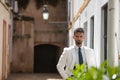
(93, 8)
(113, 20)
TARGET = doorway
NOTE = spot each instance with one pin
(45, 58)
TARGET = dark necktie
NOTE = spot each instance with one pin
(80, 56)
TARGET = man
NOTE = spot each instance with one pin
(70, 55)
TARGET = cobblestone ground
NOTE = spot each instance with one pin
(45, 76)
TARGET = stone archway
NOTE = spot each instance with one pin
(45, 58)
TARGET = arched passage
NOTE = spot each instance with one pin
(45, 58)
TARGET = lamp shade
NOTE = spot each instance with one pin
(45, 13)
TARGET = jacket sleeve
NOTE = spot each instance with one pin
(94, 58)
(62, 63)
(90, 57)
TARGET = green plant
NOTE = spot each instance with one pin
(104, 72)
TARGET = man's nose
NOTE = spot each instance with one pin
(79, 37)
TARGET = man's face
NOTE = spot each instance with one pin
(78, 37)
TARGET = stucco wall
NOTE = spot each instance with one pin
(44, 33)
(93, 9)
(4, 16)
(23, 41)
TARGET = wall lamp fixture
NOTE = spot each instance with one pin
(45, 12)
(46, 17)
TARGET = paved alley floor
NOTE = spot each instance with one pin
(25, 76)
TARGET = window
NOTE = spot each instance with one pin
(85, 29)
(92, 32)
(104, 16)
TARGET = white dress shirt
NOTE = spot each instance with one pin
(77, 56)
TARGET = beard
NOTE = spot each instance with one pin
(78, 42)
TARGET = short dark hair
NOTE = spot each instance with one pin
(81, 30)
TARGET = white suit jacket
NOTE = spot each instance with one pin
(68, 58)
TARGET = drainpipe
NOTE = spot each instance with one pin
(113, 27)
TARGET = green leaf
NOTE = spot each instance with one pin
(93, 73)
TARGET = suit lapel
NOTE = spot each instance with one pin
(73, 57)
(85, 56)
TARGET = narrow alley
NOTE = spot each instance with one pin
(36, 34)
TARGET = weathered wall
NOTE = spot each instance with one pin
(5, 22)
(44, 33)
(23, 41)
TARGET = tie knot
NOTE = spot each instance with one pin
(79, 48)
